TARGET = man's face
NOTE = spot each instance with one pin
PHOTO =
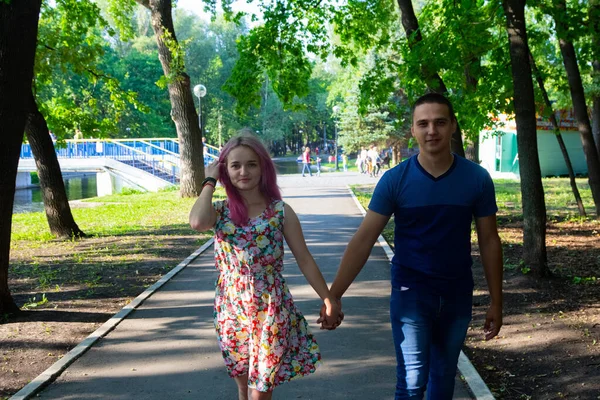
(433, 127)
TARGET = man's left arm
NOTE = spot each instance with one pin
(491, 257)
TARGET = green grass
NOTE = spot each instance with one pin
(114, 215)
(331, 165)
(558, 196)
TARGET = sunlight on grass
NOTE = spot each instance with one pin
(558, 196)
(115, 215)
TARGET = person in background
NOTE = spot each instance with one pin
(318, 166)
(306, 161)
(364, 169)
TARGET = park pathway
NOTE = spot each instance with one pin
(166, 348)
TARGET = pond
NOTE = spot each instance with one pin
(77, 186)
(286, 166)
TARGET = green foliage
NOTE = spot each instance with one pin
(138, 70)
(285, 63)
(129, 191)
(34, 303)
(584, 280)
(121, 12)
(72, 86)
(279, 47)
(177, 61)
(361, 122)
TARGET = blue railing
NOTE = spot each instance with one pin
(160, 157)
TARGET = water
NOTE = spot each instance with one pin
(77, 186)
(286, 166)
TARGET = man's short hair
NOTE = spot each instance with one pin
(434, 98)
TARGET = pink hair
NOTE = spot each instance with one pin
(268, 181)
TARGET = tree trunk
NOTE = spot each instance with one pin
(561, 142)
(594, 18)
(18, 35)
(472, 151)
(471, 78)
(596, 119)
(532, 191)
(578, 97)
(58, 212)
(183, 111)
(432, 78)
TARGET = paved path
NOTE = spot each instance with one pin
(167, 349)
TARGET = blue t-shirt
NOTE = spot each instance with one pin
(432, 235)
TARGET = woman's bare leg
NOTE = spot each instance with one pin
(254, 394)
(242, 384)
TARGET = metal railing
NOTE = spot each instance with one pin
(158, 156)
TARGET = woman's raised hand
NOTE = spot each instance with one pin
(212, 170)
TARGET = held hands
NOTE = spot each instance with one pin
(493, 322)
(331, 315)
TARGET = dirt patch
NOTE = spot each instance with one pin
(71, 288)
(549, 346)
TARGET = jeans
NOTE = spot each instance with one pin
(304, 167)
(428, 332)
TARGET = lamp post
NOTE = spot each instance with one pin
(200, 92)
(336, 109)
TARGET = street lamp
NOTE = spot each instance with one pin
(336, 109)
(200, 92)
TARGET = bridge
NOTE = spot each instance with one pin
(147, 163)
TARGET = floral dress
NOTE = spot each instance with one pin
(260, 331)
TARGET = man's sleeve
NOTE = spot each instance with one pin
(486, 203)
(382, 201)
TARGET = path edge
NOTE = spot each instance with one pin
(56, 369)
(474, 382)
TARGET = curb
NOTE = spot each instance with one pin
(54, 371)
(470, 375)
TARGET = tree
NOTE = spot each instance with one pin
(532, 191)
(211, 53)
(18, 34)
(56, 203)
(363, 123)
(183, 112)
(560, 15)
(59, 52)
(431, 77)
(594, 21)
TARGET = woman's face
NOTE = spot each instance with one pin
(243, 168)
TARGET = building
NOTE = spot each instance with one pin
(499, 154)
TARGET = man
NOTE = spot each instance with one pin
(433, 197)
